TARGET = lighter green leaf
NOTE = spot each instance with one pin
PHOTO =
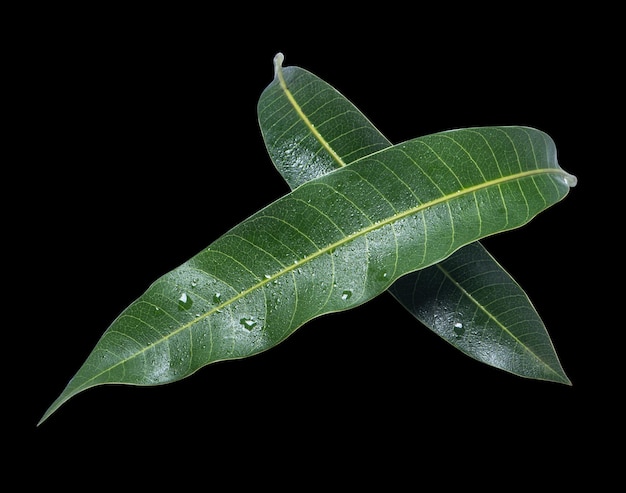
(331, 244)
(310, 129)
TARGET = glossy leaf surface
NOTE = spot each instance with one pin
(331, 244)
(472, 303)
(310, 129)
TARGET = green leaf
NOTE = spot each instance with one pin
(310, 129)
(472, 303)
(331, 244)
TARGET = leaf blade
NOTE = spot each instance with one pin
(317, 260)
(288, 112)
(503, 331)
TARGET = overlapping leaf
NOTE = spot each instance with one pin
(332, 243)
(310, 129)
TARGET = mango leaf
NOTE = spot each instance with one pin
(472, 303)
(468, 299)
(331, 244)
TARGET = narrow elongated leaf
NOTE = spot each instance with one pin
(331, 244)
(472, 303)
(310, 129)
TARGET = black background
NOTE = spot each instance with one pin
(141, 146)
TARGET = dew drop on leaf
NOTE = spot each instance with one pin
(346, 294)
(248, 323)
(459, 330)
(184, 302)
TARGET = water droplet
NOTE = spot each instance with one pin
(346, 294)
(194, 283)
(217, 298)
(184, 302)
(248, 323)
(459, 329)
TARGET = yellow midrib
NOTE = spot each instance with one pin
(281, 79)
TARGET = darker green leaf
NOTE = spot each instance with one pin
(468, 298)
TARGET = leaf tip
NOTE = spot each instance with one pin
(55, 405)
(70, 391)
